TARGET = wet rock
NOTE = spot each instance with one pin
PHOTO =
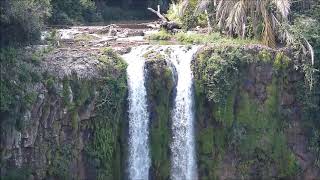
(294, 76)
(260, 92)
(264, 74)
(123, 50)
(287, 99)
(249, 86)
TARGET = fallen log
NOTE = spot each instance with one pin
(163, 18)
(165, 22)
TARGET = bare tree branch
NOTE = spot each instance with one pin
(158, 14)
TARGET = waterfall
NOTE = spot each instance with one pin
(183, 160)
(139, 160)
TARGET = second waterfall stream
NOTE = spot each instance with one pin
(183, 160)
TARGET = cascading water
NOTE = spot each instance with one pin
(183, 161)
(139, 160)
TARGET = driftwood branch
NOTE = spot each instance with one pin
(158, 14)
(166, 24)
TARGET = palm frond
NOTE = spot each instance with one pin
(236, 21)
(310, 49)
(283, 6)
(268, 37)
(202, 6)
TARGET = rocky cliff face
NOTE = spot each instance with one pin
(61, 125)
(71, 121)
(250, 115)
(160, 90)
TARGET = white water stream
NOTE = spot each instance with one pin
(183, 160)
(139, 160)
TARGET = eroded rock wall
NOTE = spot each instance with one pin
(73, 129)
(160, 92)
(249, 115)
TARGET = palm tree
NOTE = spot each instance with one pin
(235, 16)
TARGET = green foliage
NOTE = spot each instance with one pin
(17, 75)
(108, 122)
(216, 73)
(159, 86)
(17, 174)
(230, 120)
(307, 30)
(53, 38)
(175, 12)
(85, 37)
(263, 134)
(22, 20)
(194, 38)
(161, 35)
(73, 11)
(264, 55)
(281, 61)
(61, 161)
(189, 19)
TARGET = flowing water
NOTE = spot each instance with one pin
(183, 160)
(139, 160)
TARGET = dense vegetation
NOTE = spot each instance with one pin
(231, 121)
(236, 119)
(160, 87)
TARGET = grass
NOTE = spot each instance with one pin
(85, 37)
(161, 35)
(195, 38)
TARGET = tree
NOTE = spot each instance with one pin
(22, 20)
(73, 11)
(242, 17)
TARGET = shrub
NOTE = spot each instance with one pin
(161, 35)
(22, 20)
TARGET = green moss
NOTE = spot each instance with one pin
(153, 55)
(66, 92)
(264, 56)
(281, 61)
(74, 120)
(216, 72)
(224, 111)
(159, 88)
(229, 119)
(29, 99)
(105, 150)
(50, 83)
(60, 162)
(263, 133)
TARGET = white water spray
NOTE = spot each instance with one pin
(139, 160)
(183, 160)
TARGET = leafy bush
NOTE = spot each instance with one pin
(73, 11)
(161, 35)
(175, 12)
(22, 20)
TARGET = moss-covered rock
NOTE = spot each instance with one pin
(160, 85)
(245, 107)
(71, 123)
